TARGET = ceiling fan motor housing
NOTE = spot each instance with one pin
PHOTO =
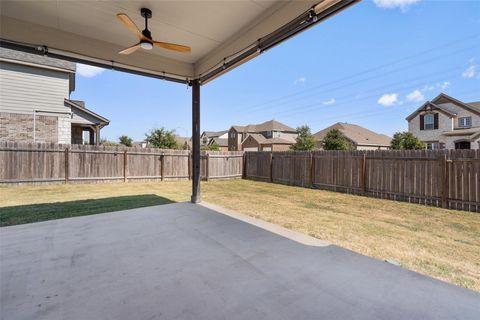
(146, 13)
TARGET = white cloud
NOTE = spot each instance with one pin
(415, 96)
(329, 102)
(392, 4)
(388, 99)
(300, 80)
(428, 87)
(88, 71)
(444, 85)
(471, 71)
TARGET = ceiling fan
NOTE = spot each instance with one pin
(145, 37)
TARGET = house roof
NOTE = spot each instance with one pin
(439, 103)
(277, 141)
(257, 137)
(462, 132)
(359, 135)
(271, 125)
(182, 140)
(220, 142)
(35, 59)
(475, 105)
(220, 33)
(213, 134)
(80, 105)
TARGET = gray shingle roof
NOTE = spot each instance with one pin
(212, 134)
(271, 125)
(220, 142)
(357, 134)
(37, 59)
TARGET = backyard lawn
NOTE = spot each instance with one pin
(441, 243)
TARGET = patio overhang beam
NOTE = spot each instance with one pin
(77, 58)
(314, 15)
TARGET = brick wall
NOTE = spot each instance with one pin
(17, 127)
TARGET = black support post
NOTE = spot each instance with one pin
(196, 197)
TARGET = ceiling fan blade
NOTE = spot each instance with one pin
(130, 25)
(131, 49)
(172, 46)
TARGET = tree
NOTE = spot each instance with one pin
(406, 141)
(125, 140)
(108, 143)
(211, 147)
(162, 138)
(304, 141)
(335, 140)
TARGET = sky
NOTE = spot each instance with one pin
(372, 65)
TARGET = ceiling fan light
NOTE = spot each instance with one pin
(146, 45)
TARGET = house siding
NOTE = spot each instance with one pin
(27, 88)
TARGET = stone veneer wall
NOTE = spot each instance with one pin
(18, 127)
(64, 130)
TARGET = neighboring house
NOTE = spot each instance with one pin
(207, 136)
(221, 142)
(140, 144)
(35, 104)
(277, 136)
(257, 142)
(184, 143)
(447, 123)
(358, 137)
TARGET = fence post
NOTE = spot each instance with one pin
(364, 173)
(162, 165)
(271, 166)
(207, 156)
(244, 164)
(66, 164)
(125, 166)
(312, 170)
(189, 165)
(444, 179)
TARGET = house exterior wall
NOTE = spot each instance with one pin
(445, 124)
(450, 142)
(20, 128)
(250, 144)
(64, 130)
(278, 147)
(28, 90)
(362, 147)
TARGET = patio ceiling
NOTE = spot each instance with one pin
(222, 34)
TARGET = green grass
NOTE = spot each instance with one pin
(14, 215)
(438, 242)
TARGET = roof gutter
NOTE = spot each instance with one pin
(77, 58)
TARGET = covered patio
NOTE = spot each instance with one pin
(183, 260)
(186, 261)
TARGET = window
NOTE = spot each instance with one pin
(232, 134)
(432, 145)
(465, 122)
(428, 121)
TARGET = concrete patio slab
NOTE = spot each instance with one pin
(185, 261)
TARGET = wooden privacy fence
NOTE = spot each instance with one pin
(444, 178)
(35, 163)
